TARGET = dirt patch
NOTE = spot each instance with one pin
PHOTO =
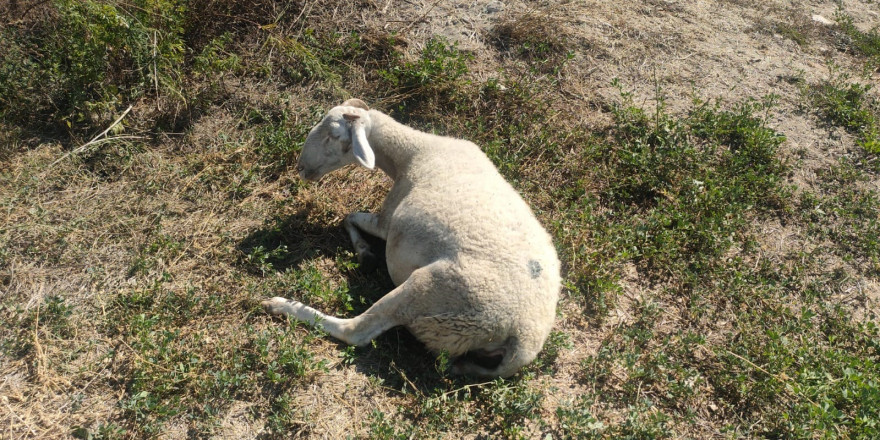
(730, 52)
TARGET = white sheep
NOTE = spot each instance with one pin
(477, 276)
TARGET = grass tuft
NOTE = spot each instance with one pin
(851, 106)
(536, 37)
(864, 44)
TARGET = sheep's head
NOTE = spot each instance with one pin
(338, 140)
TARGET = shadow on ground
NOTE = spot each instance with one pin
(285, 242)
(396, 357)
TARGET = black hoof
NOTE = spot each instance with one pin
(368, 261)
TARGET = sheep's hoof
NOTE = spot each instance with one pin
(276, 306)
(489, 360)
(368, 261)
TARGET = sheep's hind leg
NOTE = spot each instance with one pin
(359, 330)
(388, 312)
(358, 222)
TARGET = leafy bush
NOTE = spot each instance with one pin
(92, 58)
(435, 74)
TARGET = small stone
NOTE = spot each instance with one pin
(822, 20)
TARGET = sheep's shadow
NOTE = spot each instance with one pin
(286, 241)
(402, 362)
(396, 356)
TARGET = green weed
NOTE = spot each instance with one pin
(865, 44)
(847, 214)
(437, 74)
(792, 32)
(55, 314)
(261, 259)
(100, 432)
(847, 104)
(507, 405)
(306, 283)
(217, 59)
(154, 255)
(576, 420)
(440, 65)
(801, 383)
(383, 427)
(177, 370)
(52, 318)
(278, 142)
(684, 188)
(555, 344)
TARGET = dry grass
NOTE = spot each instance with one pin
(131, 270)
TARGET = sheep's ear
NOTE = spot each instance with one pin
(360, 146)
(354, 102)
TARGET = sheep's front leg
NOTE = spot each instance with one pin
(358, 222)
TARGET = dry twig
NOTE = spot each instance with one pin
(82, 147)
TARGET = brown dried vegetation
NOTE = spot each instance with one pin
(721, 261)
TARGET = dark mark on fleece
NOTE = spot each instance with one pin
(534, 268)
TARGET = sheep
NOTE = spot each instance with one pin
(477, 276)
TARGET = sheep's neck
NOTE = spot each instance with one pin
(386, 164)
(394, 145)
